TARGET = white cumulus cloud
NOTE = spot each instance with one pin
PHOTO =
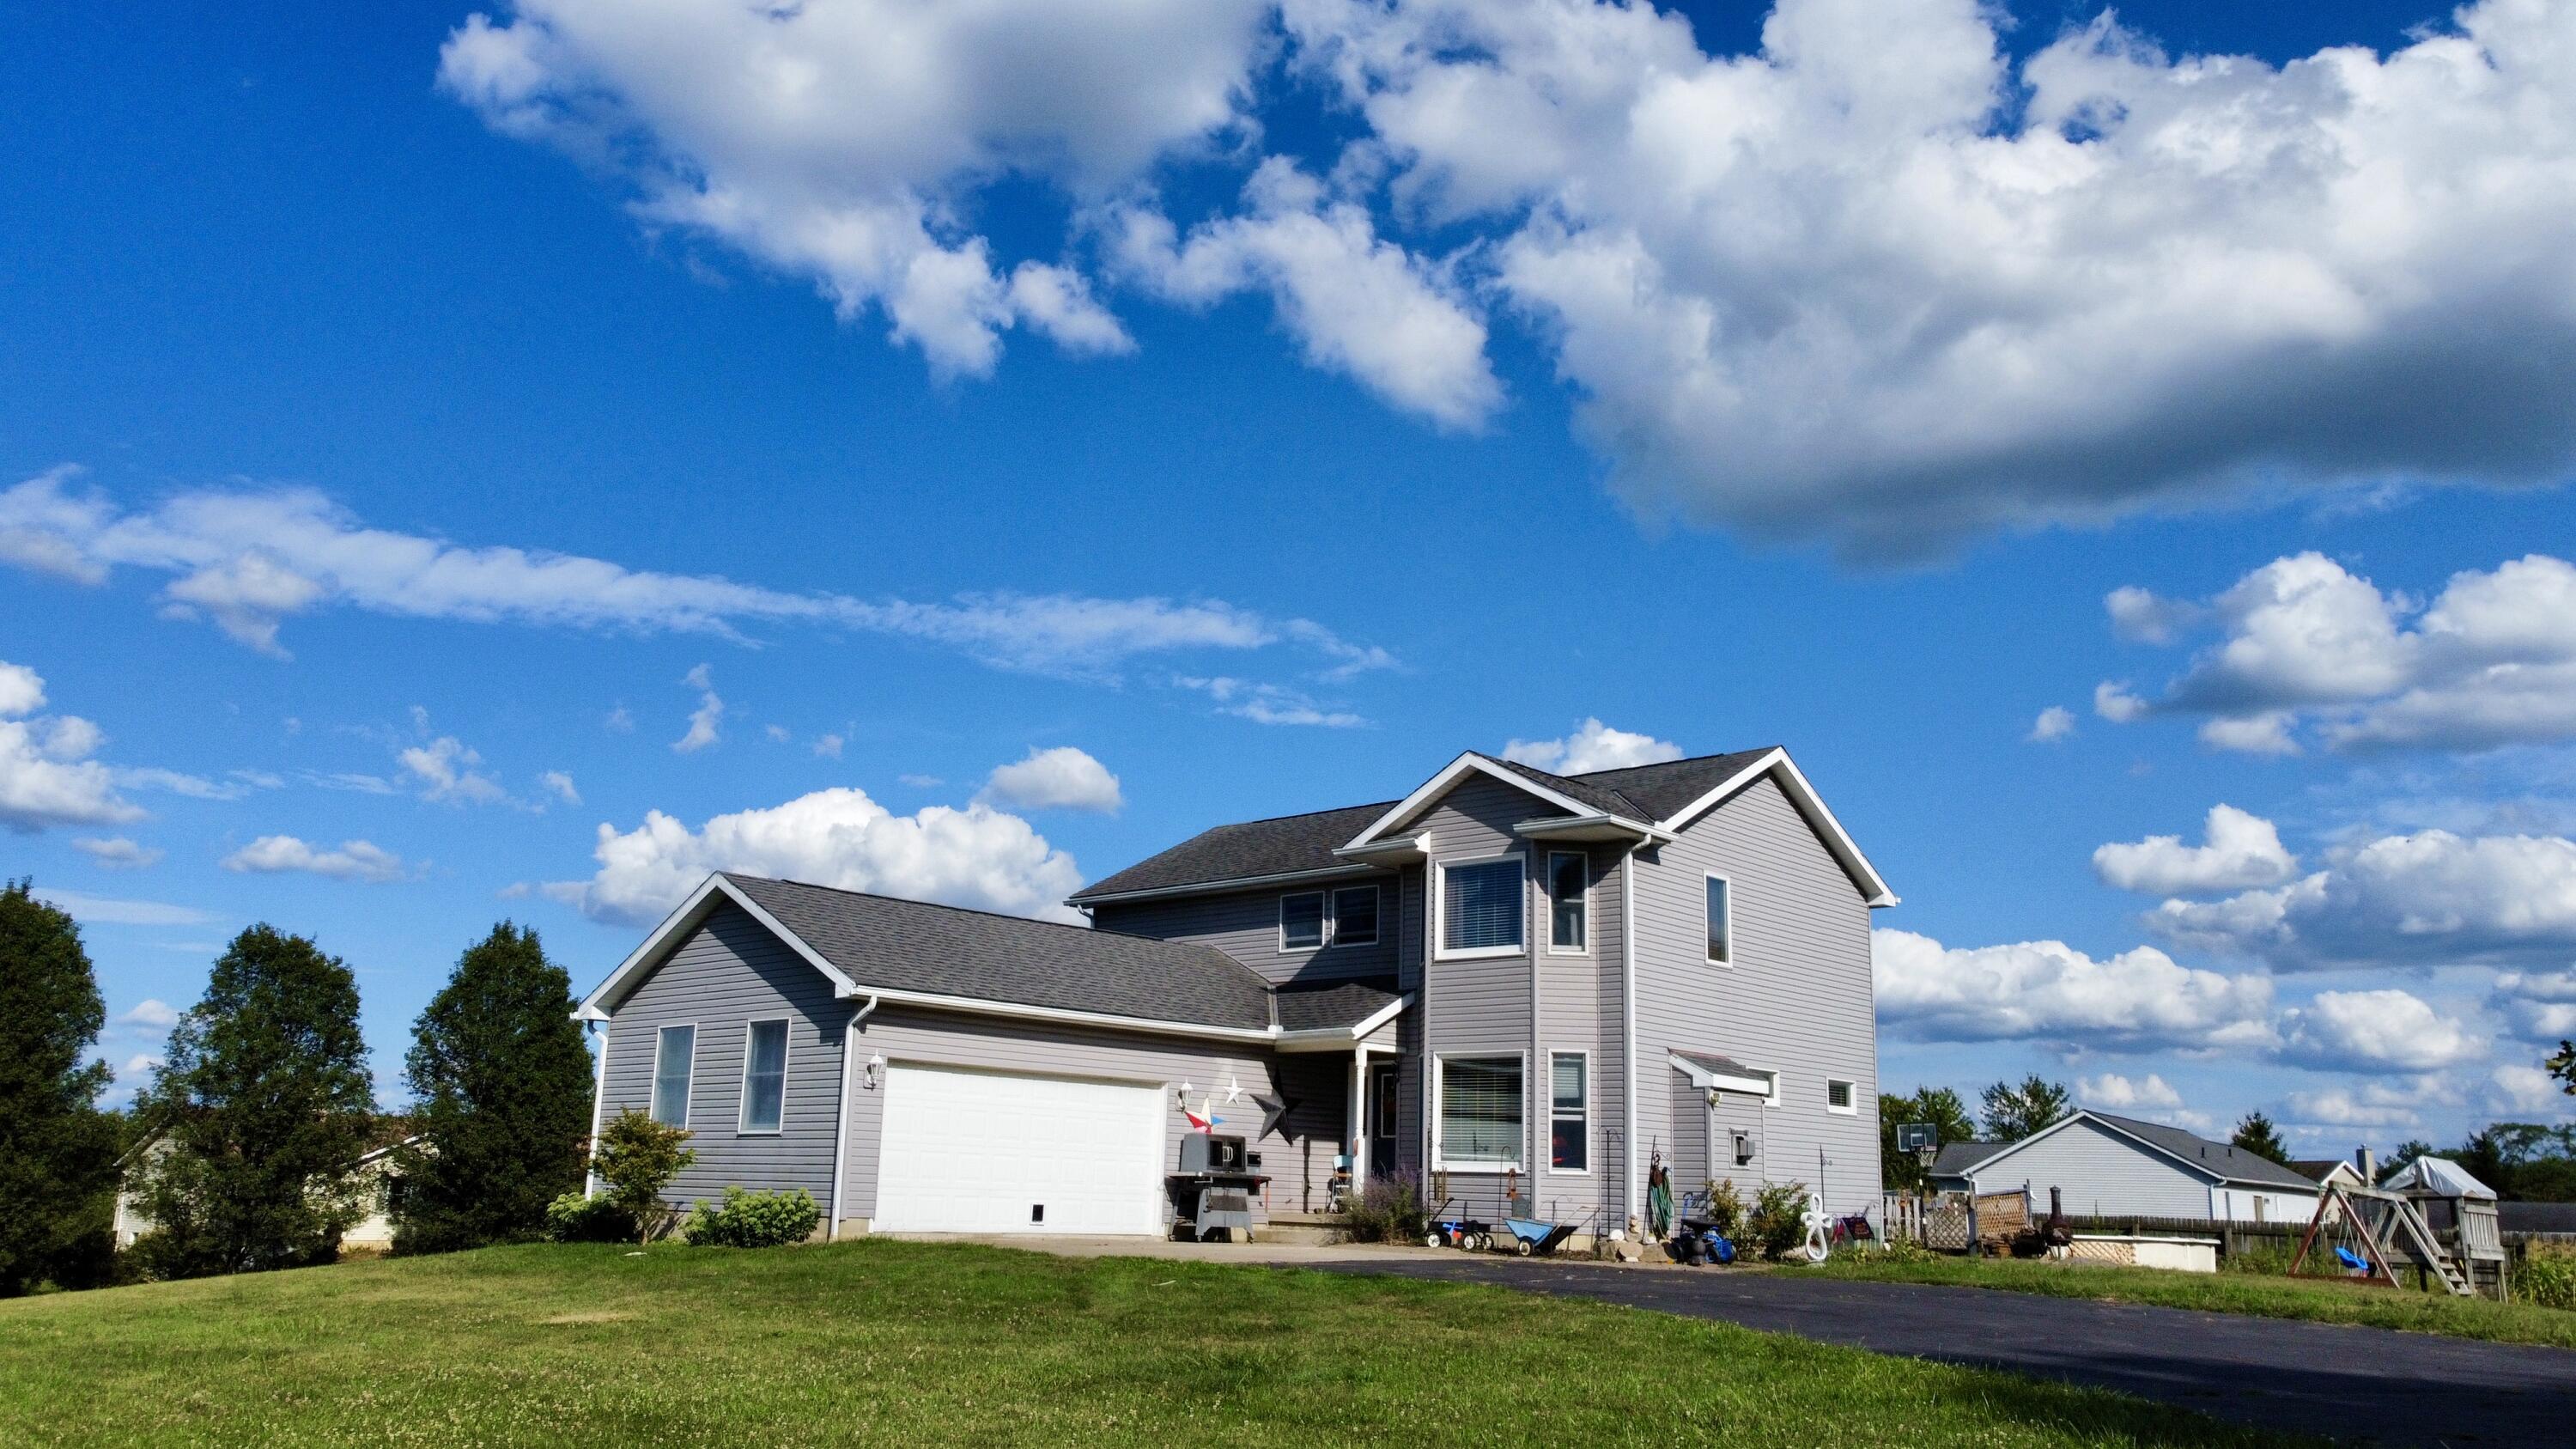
(447, 770)
(2430, 898)
(356, 860)
(116, 851)
(559, 785)
(2242, 850)
(1062, 778)
(1592, 746)
(2113, 1092)
(2055, 723)
(149, 1014)
(46, 775)
(979, 857)
(2138, 1000)
(703, 720)
(2385, 1029)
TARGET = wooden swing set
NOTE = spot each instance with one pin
(2367, 1233)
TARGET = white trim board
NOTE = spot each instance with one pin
(1429, 792)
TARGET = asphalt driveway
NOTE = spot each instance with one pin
(2368, 1384)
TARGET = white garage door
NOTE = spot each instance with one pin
(988, 1152)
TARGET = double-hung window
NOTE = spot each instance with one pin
(1301, 921)
(1569, 1112)
(1569, 895)
(1480, 907)
(1721, 921)
(764, 1076)
(1355, 916)
(675, 1048)
(1480, 1113)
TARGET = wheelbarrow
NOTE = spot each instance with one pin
(1531, 1238)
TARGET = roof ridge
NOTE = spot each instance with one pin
(1612, 791)
(1302, 814)
(1684, 760)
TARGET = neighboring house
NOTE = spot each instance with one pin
(2330, 1169)
(2106, 1166)
(373, 1233)
(1508, 981)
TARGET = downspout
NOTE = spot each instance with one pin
(1628, 1011)
(841, 1127)
(598, 1099)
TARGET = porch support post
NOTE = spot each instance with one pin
(1359, 1118)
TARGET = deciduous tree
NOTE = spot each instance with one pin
(2014, 1112)
(57, 1149)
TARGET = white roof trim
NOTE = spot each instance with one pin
(1470, 762)
(1793, 783)
(685, 918)
(1704, 1079)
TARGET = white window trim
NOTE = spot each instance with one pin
(1552, 1169)
(1727, 960)
(1585, 948)
(1323, 921)
(1848, 1109)
(653, 1082)
(742, 1102)
(1779, 1086)
(1440, 909)
(1333, 915)
(1439, 1081)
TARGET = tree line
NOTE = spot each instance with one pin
(2522, 1161)
(239, 1152)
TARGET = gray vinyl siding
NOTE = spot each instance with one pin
(1797, 1000)
(1578, 1011)
(909, 1036)
(1481, 1007)
(2099, 1173)
(727, 974)
(1245, 925)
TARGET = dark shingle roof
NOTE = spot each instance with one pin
(1723, 1066)
(1253, 849)
(1244, 851)
(2234, 1164)
(2536, 1217)
(1347, 1004)
(2314, 1169)
(1958, 1157)
(950, 951)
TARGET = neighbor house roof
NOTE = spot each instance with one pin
(2318, 1169)
(1956, 1158)
(2218, 1160)
(1287, 847)
(960, 959)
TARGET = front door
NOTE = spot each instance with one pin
(1381, 1120)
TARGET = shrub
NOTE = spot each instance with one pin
(1778, 1222)
(638, 1157)
(1389, 1210)
(753, 1220)
(2548, 1279)
(575, 1218)
(1725, 1207)
(2273, 1257)
(1905, 1250)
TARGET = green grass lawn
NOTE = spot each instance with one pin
(892, 1342)
(2324, 1300)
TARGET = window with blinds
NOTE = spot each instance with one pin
(1480, 1112)
(1355, 916)
(1569, 1125)
(673, 1050)
(1480, 905)
(764, 1076)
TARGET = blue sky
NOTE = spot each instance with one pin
(1275, 417)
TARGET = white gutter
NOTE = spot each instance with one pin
(1628, 1011)
(841, 1127)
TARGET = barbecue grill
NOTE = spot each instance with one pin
(1215, 1186)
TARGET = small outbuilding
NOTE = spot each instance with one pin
(2107, 1166)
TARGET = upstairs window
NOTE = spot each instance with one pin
(1480, 907)
(1569, 894)
(1838, 1098)
(1721, 924)
(674, 1050)
(1355, 916)
(1569, 1125)
(764, 1076)
(1480, 1113)
(1301, 921)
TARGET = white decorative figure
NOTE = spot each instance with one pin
(1233, 1089)
(1817, 1246)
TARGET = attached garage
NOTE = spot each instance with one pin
(1000, 1152)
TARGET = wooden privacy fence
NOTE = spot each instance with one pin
(1948, 1222)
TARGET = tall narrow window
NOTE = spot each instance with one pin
(1480, 907)
(1480, 1113)
(1721, 926)
(764, 1076)
(1355, 916)
(1569, 1125)
(1301, 921)
(1569, 891)
(673, 1051)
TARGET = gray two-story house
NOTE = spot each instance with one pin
(1507, 983)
